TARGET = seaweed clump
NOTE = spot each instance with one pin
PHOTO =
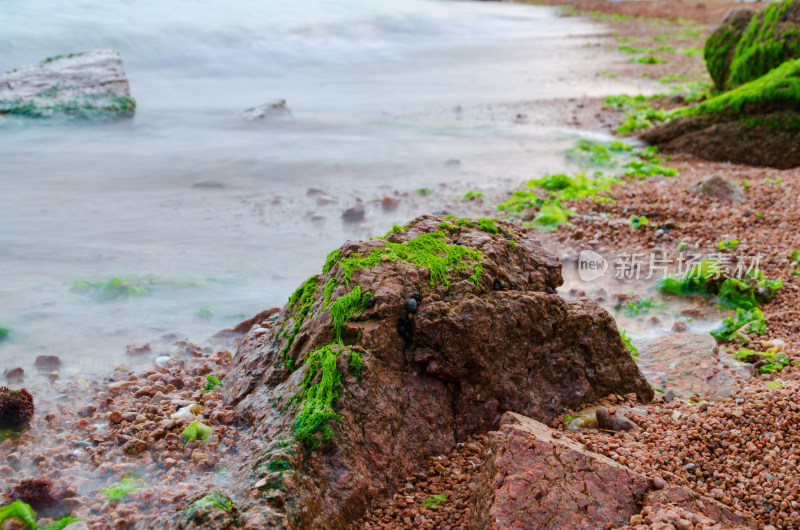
(709, 279)
(320, 395)
(21, 512)
(776, 90)
(426, 251)
(39, 493)
(201, 510)
(16, 408)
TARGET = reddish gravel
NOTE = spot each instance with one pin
(127, 429)
(453, 475)
(742, 451)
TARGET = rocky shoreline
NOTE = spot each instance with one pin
(413, 383)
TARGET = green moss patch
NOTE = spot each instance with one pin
(321, 386)
(305, 295)
(434, 500)
(129, 483)
(426, 251)
(344, 308)
(778, 89)
(768, 41)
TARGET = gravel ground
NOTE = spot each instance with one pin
(127, 437)
(453, 475)
(743, 451)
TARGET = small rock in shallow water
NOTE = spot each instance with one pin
(272, 110)
(354, 214)
(162, 360)
(48, 363)
(208, 184)
(134, 349)
(389, 203)
(613, 421)
(15, 375)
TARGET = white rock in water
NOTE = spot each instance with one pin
(271, 110)
(162, 360)
(80, 85)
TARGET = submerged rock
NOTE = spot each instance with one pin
(690, 364)
(89, 85)
(360, 390)
(533, 479)
(273, 110)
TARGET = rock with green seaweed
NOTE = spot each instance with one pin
(43, 495)
(423, 338)
(208, 510)
(755, 123)
(721, 44)
(748, 45)
(82, 86)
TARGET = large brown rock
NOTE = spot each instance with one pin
(434, 370)
(763, 139)
(533, 480)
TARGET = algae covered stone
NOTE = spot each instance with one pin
(757, 123)
(721, 44)
(362, 386)
(90, 85)
(746, 46)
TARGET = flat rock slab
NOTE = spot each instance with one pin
(691, 364)
(87, 85)
(533, 480)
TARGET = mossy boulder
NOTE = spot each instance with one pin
(721, 44)
(748, 45)
(757, 123)
(402, 347)
(89, 85)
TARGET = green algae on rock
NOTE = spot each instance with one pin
(771, 38)
(721, 44)
(82, 86)
(404, 355)
(426, 251)
(757, 123)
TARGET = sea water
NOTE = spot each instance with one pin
(217, 218)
